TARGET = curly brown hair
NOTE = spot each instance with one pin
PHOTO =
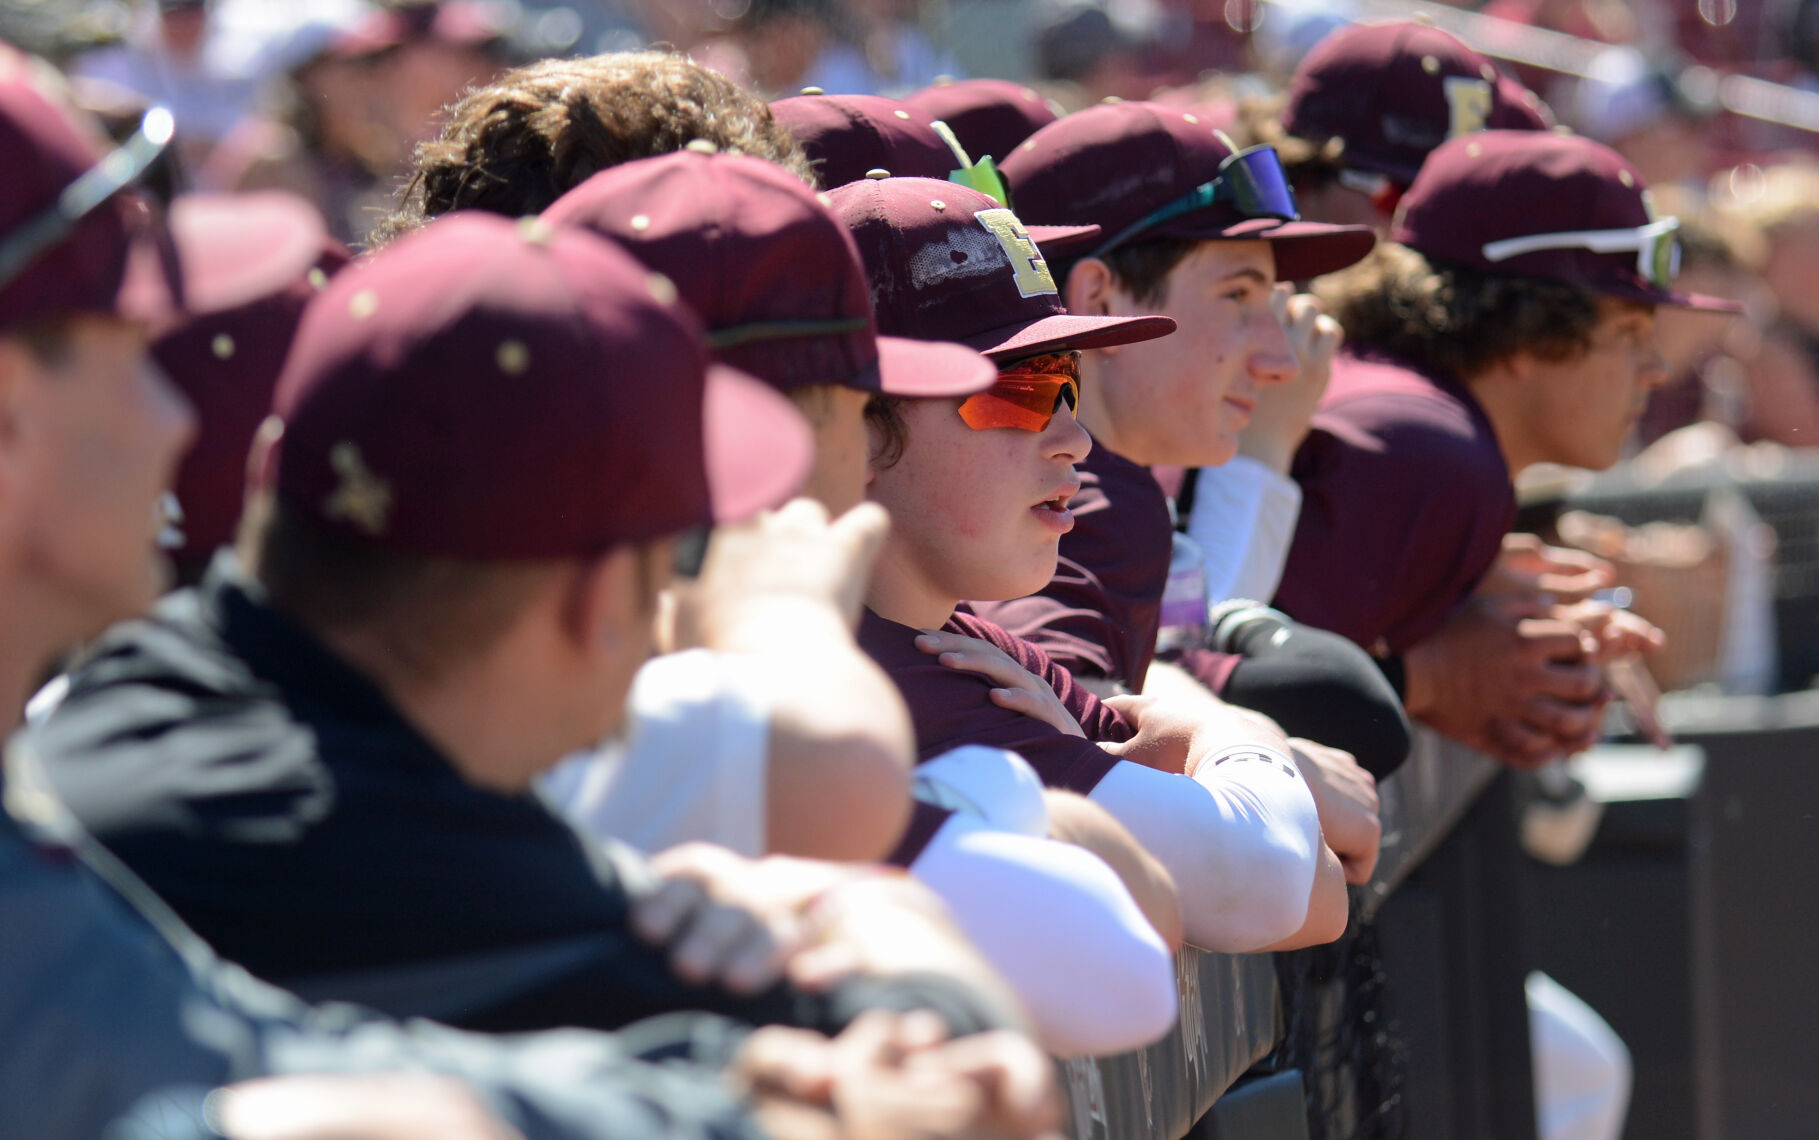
(516, 145)
(1454, 319)
(1309, 163)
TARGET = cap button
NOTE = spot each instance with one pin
(1628, 179)
(1112, 99)
(877, 174)
(363, 304)
(535, 231)
(641, 222)
(222, 346)
(1430, 64)
(901, 114)
(701, 146)
(938, 204)
(513, 357)
(662, 289)
(1188, 117)
(813, 91)
(318, 280)
(1473, 150)
(1489, 73)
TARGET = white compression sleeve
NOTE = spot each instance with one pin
(1095, 977)
(1241, 840)
(1244, 519)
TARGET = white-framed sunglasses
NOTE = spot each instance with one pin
(1656, 245)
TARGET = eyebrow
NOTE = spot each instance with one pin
(1247, 272)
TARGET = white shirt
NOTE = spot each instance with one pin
(692, 765)
(1244, 518)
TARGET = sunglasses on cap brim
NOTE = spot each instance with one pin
(1656, 245)
(1252, 181)
(1027, 394)
(94, 188)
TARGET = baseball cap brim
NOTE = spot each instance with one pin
(1064, 332)
(236, 248)
(1649, 295)
(1063, 241)
(922, 368)
(1304, 250)
(758, 447)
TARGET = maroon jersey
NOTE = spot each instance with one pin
(949, 707)
(1100, 614)
(1406, 499)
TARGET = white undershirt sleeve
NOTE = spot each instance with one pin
(1060, 926)
(692, 765)
(1240, 839)
(1243, 518)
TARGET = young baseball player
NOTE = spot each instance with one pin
(1545, 263)
(447, 582)
(1204, 237)
(120, 1020)
(767, 741)
(979, 493)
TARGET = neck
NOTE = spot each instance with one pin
(37, 635)
(1495, 391)
(481, 715)
(900, 592)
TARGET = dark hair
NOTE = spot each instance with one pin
(884, 414)
(1142, 268)
(1455, 319)
(435, 612)
(517, 145)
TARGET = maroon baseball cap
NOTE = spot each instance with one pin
(498, 390)
(775, 276)
(70, 239)
(1519, 109)
(1394, 92)
(1540, 204)
(988, 116)
(1143, 170)
(847, 136)
(949, 263)
(261, 258)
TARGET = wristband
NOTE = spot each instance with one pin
(1253, 754)
(1229, 618)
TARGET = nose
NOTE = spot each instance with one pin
(1064, 438)
(1651, 370)
(1272, 358)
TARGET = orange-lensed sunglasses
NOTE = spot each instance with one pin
(1027, 394)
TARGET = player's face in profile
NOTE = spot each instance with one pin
(1587, 405)
(974, 513)
(108, 429)
(1182, 399)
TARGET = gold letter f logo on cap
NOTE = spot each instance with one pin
(1032, 271)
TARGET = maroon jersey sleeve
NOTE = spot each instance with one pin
(1406, 499)
(1099, 615)
(949, 707)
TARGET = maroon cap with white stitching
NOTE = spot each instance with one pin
(949, 263)
(1112, 164)
(1496, 186)
(847, 136)
(499, 390)
(771, 271)
(1396, 91)
(988, 116)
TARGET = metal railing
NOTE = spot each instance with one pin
(1231, 1015)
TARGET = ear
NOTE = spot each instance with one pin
(610, 603)
(1089, 288)
(1092, 291)
(20, 375)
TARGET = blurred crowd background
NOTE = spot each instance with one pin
(1715, 101)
